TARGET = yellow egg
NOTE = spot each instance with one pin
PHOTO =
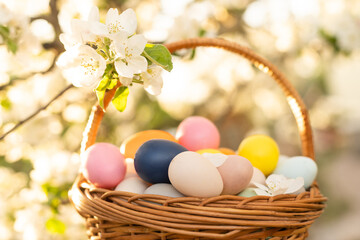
(131, 144)
(262, 151)
(208, 150)
(227, 151)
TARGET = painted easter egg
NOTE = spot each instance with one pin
(194, 175)
(262, 151)
(130, 168)
(227, 151)
(153, 158)
(247, 192)
(103, 165)
(236, 173)
(299, 166)
(197, 133)
(208, 150)
(131, 144)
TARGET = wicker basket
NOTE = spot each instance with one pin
(123, 215)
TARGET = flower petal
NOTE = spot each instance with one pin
(153, 82)
(94, 14)
(261, 192)
(98, 28)
(82, 65)
(119, 43)
(123, 70)
(128, 21)
(136, 44)
(111, 16)
(138, 64)
(260, 186)
(125, 81)
(295, 185)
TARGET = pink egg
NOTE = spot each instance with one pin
(103, 165)
(236, 173)
(196, 133)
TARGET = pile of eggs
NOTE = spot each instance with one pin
(189, 164)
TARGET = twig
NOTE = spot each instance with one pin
(36, 112)
(56, 45)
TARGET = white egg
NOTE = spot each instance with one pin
(163, 189)
(132, 184)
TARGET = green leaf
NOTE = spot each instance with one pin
(120, 99)
(103, 83)
(100, 96)
(4, 31)
(112, 83)
(159, 54)
(11, 43)
(54, 225)
(12, 46)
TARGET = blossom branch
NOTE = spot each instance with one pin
(52, 18)
(15, 79)
(36, 112)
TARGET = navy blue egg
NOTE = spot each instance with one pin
(153, 158)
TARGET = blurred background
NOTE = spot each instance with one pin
(315, 43)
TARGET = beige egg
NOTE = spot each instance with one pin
(195, 176)
(236, 173)
(257, 177)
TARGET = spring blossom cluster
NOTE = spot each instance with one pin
(113, 49)
(279, 184)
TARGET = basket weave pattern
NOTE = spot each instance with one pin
(112, 215)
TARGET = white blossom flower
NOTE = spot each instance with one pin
(82, 65)
(128, 54)
(126, 22)
(5, 14)
(90, 31)
(153, 81)
(279, 184)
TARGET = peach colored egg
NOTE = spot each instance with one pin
(208, 150)
(131, 144)
(195, 176)
(103, 165)
(236, 173)
(196, 133)
(227, 151)
(258, 177)
(130, 168)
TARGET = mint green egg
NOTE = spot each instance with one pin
(299, 166)
(248, 192)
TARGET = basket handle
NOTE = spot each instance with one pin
(295, 102)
